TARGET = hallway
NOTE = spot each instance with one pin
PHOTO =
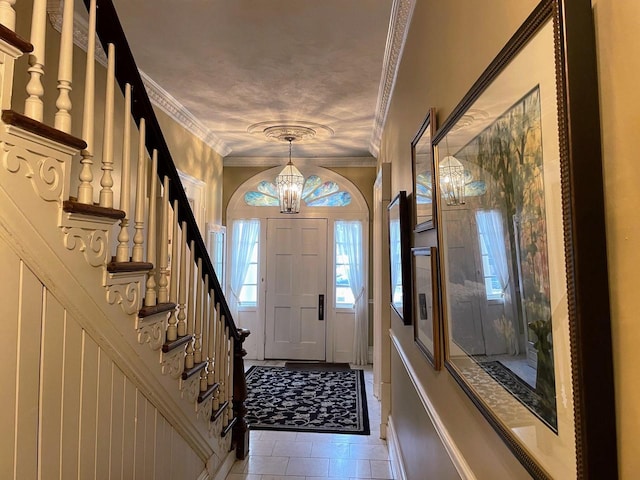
(314, 456)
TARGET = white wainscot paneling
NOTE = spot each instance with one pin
(72, 409)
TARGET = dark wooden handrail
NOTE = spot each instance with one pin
(109, 30)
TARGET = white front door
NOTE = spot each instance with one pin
(296, 278)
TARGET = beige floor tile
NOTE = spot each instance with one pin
(286, 448)
(308, 466)
(349, 468)
(370, 452)
(330, 450)
(267, 465)
(381, 469)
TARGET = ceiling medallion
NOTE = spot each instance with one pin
(298, 131)
(287, 133)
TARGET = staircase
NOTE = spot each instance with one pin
(123, 359)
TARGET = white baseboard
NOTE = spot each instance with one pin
(395, 456)
(450, 446)
(225, 467)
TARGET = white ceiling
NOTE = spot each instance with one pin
(235, 63)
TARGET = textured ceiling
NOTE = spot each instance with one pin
(236, 63)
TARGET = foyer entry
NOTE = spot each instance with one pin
(296, 293)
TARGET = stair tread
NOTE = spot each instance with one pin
(14, 39)
(190, 372)
(38, 128)
(171, 345)
(72, 206)
(116, 267)
(155, 309)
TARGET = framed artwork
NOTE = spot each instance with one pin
(422, 168)
(426, 327)
(400, 256)
(522, 251)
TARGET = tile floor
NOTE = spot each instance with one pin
(315, 456)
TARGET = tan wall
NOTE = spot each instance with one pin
(449, 45)
(618, 50)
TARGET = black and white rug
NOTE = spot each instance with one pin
(307, 400)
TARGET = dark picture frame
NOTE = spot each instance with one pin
(400, 256)
(524, 238)
(422, 168)
(426, 325)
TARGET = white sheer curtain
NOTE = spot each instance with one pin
(244, 237)
(349, 236)
(490, 224)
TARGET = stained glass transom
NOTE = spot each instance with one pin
(315, 193)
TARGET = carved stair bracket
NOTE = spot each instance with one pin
(124, 288)
(92, 243)
(173, 363)
(45, 173)
(190, 389)
(151, 330)
(203, 411)
(88, 234)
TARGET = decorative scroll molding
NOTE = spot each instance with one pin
(401, 12)
(126, 295)
(204, 410)
(46, 173)
(158, 96)
(124, 289)
(190, 388)
(92, 243)
(151, 330)
(172, 362)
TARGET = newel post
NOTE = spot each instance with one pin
(240, 429)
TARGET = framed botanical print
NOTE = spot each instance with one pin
(522, 251)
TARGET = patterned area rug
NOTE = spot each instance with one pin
(307, 400)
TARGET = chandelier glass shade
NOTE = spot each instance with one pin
(289, 184)
(452, 180)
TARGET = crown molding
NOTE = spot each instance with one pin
(158, 96)
(319, 162)
(401, 13)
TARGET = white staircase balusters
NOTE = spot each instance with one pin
(182, 289)
(33, 105)
(230, 379)
(197, 346)
(106, 193)
(213, 320)
(62, 120)
(172, 328)
(150, 297)
(122, 252)
(163, 253)
(206, 304)
(224, 384)
(85, 188)
(217, 367)
(137, 254)
(188, 359)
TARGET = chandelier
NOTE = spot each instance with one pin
(289, 184)
(452, 180)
